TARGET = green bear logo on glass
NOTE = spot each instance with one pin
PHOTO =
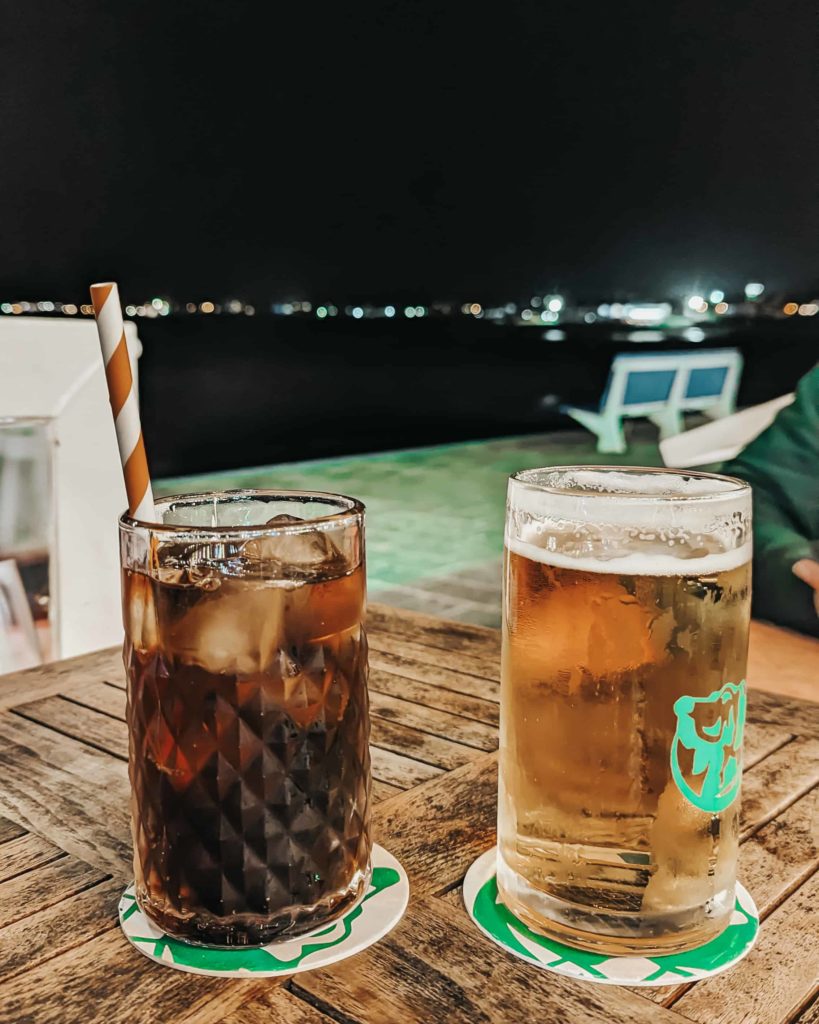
(711, 729)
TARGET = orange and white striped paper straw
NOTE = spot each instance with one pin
(123, 400)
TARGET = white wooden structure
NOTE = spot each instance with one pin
(51, 371)
(661, 386)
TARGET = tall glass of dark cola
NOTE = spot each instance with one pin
(246, 664)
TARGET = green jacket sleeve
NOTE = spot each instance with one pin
(782, 466)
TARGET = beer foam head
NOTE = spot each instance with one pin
(641, 521)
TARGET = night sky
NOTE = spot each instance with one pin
(390, 149)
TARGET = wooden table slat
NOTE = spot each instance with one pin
(436, 966)
(400, 771)
(79, 722)
(44, 885)
(444, 724)
(25, 853)
(65, 849)
(277, 1006)
(430, 695)
(776, 976)
(38, 940)
(10, 830)
(777, 780)
(431, 672)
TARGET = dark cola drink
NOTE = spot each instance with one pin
(249, 729)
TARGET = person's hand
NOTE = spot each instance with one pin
(808, 571)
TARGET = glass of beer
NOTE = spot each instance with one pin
(625, 636)
(248, 713)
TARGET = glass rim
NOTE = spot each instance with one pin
(738, 488)
(348, 516)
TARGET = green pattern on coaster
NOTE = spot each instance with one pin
(382, 907)
(495, 920)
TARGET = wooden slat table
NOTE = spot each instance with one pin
(65, 846)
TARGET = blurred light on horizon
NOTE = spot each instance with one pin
(206, 307)
(694, 334)
(808, 309)
(358, 312)
(790, 308)
(648, 313)
(389, 311)
(721, 307)
(754, 289)
(321, 312)
(555, 303)
(716, 295)
(695, 302)
(409, 312)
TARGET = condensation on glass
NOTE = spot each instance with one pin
(625, 635)
(246, 660)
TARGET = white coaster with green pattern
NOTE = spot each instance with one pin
(496, 921)
(367, 922)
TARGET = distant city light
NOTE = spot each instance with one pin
(555, 303)
(790, 308)
(808, 309)
(716, 295)
(554, 334)
(548, 316)
(45, 307)
(526, 314)
(332, 310)
(321, 312)
(616, 310)
(754, 289)
(250, 310)
(157, 304)
(5, 307)
(409, 312)
(287, 308)
(646, 313)
(70, 309)
(307, 307)
(536, 301)
(86, 309)
(695, 302)
(130, 310)
(694, 334)
(389, 311)
(476, 309)
(420, 311)
(604, 310)
(358, 312)
(205, 307)
(16, 308)
(510, 308)
(590, 317)
(721, 307)
(234, 306)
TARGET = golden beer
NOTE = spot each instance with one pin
(622, 707)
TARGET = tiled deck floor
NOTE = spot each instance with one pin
(434, 515)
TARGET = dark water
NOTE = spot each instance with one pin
(230, 392)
